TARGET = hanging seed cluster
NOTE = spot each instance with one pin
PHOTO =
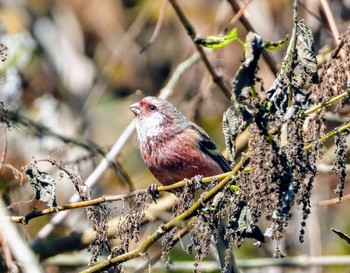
(185, 199)
(128, 228)
(281, 170)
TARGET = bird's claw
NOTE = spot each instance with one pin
(154, 192)
(197, 181)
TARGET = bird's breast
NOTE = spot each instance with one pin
(174, 159)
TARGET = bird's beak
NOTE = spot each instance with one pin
(135, 108)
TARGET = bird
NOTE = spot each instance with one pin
(174, 148)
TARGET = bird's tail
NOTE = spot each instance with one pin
(223, 247)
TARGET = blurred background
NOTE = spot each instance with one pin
(75, 66)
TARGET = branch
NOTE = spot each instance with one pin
(326, 103)
(297, 261)
(314, 109)
(162, 230)
(261, 264)
(79, 240)
(332, 133)
(4, 151)
(332, 201)
(341, 235)
(108, 198)
(41, 130)
(330, 19)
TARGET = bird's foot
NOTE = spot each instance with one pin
(197, 181)
(153, 191)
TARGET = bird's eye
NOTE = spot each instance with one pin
(152, 107)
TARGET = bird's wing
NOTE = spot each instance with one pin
(208, 147)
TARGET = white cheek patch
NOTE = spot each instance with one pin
(150, 126)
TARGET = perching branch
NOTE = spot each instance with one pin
(162, 230)
(107, 199)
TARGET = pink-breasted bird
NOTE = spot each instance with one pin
(173, 148)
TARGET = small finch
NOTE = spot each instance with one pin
(173, 148)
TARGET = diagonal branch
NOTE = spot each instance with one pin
(41, 130)
(192, 33)
(344, 127)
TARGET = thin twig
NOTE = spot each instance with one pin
(326, 103)
(325, 168)
(158, 26)
(181, 233)
(341, 235)
(332, 201)
(254, 264)
(334, 55)
(237, 16)
(298, 261)
(78, 240)
(344, 127)
(314, 109)
(41, 130)
(330, 19)
(23, 254)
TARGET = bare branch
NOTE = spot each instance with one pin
(107, 199)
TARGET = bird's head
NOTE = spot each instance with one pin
(155, 116)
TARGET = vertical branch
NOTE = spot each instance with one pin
(292, 49)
